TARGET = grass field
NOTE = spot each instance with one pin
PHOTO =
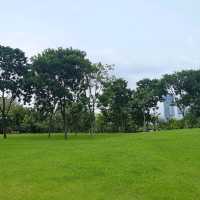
(153, 166)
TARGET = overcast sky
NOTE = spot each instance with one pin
(143, 38)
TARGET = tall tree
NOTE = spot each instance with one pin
(95, 79)
(44, 88)
(148, 94)
(67, 69)
(13, 67)
(113, 103)
(192, 88)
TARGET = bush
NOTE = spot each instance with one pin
(171, 124)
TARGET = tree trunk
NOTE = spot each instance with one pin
(49, 133)
(93, 123)
(144, 122)
(155, 122)
(185, 121)
(4, 133)
(50, 126)
(93, 117)
(91, 131)
(65, 129)
(64, 121)
(91, 106)
(3, 117)
(92, 120)
(49, 129)
(3, 126)
(154, 125)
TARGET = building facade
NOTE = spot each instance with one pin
(169, 108)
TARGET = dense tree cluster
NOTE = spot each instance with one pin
(62, 90)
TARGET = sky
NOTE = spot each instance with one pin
(142, 38)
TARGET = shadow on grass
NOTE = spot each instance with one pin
(59, 136)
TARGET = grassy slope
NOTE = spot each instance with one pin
(153, 166)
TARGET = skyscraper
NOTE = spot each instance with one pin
(169, 110)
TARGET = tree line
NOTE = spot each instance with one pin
(61, 90)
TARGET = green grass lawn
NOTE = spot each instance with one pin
(155, 166)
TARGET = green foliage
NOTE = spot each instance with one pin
(113, 104)
(65, 90)
(180, 85)
(64, 72)
(96, 78)
(171, 124)
(13, 68)
(145, 99)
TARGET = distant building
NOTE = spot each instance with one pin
(169, 108)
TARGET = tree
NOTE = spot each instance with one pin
(113, 103)
(67, 69)
(192, 88)
(136, 112)
(147, 95)
(45, 90)
(17, 114)
(175, 85)
(95, 79)
(184, 87)
(13, 67)
(78, 117)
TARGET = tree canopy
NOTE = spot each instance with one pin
(66, 92)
